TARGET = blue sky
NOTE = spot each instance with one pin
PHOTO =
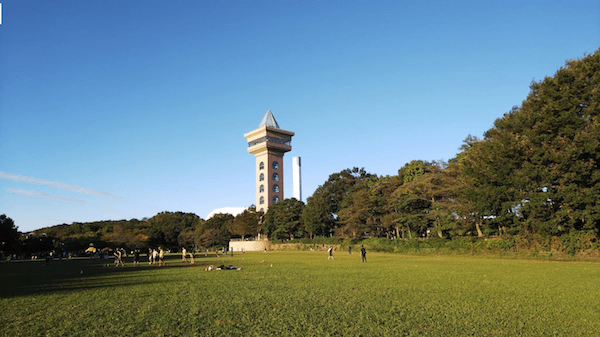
(122, 109)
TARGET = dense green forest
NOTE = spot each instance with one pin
(535, 173)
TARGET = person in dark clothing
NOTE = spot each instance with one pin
(136, 258)
(363, 253)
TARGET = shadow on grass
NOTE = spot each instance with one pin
(21, 278)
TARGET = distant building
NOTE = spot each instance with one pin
(226, 210)
(268, 144)
(297, 177)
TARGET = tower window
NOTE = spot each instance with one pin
(275, 176)
(276, 188)
(262, 188)
(262, 177)
(275, 165)
(275, 199)
(262, 200)
(261, 166)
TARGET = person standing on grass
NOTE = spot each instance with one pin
(118, 259)
(363, 253)
(192, 256)
(136, 258)
(154, 256)
(183, 254)
(161, 256)
(330, 250)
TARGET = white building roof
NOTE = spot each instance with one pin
(226, 210)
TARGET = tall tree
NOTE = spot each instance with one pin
(9, 234)
(438, 187)
(423, 200)
(283, 220)
(484, 186)
(359, 218)
(380, 190)
(323, 206)
(213, 232)
(547, 152)
(247, 223)
(187, 237)
(316, 216)
(165, 227)
(364, 209)
(410, 212)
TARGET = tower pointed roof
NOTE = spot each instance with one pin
(269, 120)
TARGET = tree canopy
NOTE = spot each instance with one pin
(538, 168)
(283, 220)
(213, 232)
(247, 223)
(9, 235)
(320, 215)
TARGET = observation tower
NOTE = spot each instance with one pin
(268, 144)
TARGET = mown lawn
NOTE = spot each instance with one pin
(303, 294)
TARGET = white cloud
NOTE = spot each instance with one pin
(63, 186)
(41, 195)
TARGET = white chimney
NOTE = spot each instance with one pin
(297, 180)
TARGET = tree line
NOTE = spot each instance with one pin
(171, 230)
(535, 172)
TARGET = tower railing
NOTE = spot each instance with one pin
(283, 141)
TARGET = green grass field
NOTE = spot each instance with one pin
(303, 294)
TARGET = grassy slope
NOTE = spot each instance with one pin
(303, 294)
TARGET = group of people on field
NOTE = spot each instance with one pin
(363, 253)
(157, 256)
(120, 254)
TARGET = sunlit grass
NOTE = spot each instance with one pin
(303, 294)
